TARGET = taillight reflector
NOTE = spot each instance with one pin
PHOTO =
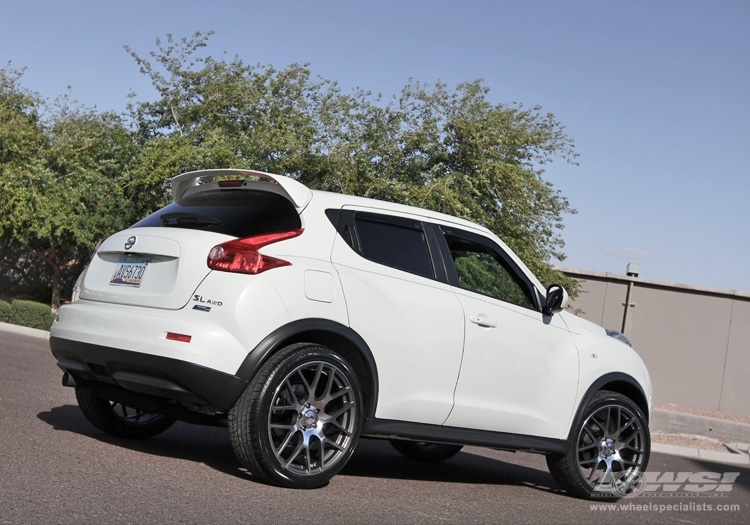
(179, 337)
(241, 255)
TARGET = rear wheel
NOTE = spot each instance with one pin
(118, 419)
(425, 451)
(298, 422)
(610, 452)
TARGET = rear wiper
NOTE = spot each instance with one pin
(187, 218)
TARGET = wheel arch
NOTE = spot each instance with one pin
(327, 333)
(613, 382)
(622, 384)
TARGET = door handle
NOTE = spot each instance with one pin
(483, 320)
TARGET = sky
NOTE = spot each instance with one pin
(654, 93)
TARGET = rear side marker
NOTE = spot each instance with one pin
(182, 338)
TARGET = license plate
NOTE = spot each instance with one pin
(129, 272)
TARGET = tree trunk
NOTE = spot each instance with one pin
(56, 278)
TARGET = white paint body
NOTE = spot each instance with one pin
(525, 374)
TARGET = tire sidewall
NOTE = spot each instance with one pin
(99, 412)
(265, 392)
(600, 400)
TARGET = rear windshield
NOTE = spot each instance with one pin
(240, 213)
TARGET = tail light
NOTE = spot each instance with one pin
(241, 255)
(98, 245)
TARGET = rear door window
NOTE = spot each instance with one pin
(239, 213)
(396, 242)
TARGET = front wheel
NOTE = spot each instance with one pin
(425, 451)
(298, 422)
(610, 452)
(118, 419)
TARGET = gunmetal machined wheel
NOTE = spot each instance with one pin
(298, 421)
(119, 419)
(425, 451)
(610, 452)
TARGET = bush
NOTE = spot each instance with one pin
(31, 314)
(4, 311)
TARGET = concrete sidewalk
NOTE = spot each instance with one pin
(666, 421)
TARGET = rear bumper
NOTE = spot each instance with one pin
(153, 375)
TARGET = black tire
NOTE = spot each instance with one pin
(426, 451)
(298, 422)
(610, 448)
(118, 419)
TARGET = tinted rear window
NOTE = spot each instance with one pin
(240, 213)
(399, 246)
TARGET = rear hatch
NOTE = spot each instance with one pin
(160, 261)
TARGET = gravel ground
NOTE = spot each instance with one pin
(704, 412)
(691, 441)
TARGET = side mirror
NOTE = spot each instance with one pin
(557, 300)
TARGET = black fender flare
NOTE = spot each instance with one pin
(322, 331)
(631, 385)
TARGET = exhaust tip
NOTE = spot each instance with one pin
(68, 380)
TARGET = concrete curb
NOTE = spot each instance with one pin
(673, 422)
(705, 455)
(24, 330)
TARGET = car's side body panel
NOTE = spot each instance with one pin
(414, 326)
(519, 376)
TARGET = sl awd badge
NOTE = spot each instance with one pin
(205, 304)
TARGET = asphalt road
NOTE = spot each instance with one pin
(57, 468)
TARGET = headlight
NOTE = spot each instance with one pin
(620, 336)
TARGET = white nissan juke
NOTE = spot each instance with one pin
(304, 320)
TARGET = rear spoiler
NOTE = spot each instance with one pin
(297, 193)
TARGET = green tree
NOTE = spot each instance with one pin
(449, 150)
(62, 185)
(454, 152)
(21, 139)
(218, 113)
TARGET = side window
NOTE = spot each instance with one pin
(480, 269)
(394, 242)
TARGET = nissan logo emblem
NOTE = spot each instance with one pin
(130, 242)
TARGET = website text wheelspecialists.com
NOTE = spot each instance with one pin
(691, 506)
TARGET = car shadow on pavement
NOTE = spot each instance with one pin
(376, 458)
(203, 444)
(713, 471)
(372, 458)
